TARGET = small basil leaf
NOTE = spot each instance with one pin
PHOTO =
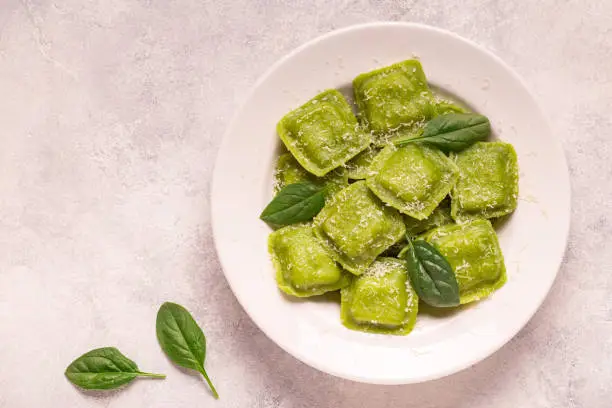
(182, 339)
(103, 369)
(431, 275)
(452, 132)
(295, 203)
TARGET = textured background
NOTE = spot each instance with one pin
(111, 113)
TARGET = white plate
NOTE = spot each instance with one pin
(533, 240)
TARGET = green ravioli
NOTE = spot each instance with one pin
(440, 216)
(473, 251)
(323, 133)
(303, 266)
(394, 99)
(381, 300)
(444, 106)
(356, 227)
(413, 179)
(488, 181)
(358, 166)
(288, 171)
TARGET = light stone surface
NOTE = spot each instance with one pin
(111, 113)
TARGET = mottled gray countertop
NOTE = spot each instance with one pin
(111, 114)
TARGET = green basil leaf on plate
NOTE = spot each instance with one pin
(431, 275)
(452, 132)
(103, 369)
(182, 339)
(295, 203)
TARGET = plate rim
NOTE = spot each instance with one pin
(557, 146)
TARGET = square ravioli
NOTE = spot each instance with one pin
(394, 98)
(473, 251)
(358, 167)
(289, 171)
(303, 267)
(356, 227)
(440, 216)
(381, 300)
(488, 181)
(323, 133)
(444, 107)
(413, 178)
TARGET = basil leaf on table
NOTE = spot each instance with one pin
(452, 132)
(103, 369)
(295, 203)
(182, 339)
(431, 275)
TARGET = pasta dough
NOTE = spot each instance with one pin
(358, 167)
(289, 171)
(440, 216)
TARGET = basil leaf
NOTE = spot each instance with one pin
(452, 132)
(182, 339)
(431, 275)
(103, 369)
(295, 203)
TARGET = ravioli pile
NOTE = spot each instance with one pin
(379, 193)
